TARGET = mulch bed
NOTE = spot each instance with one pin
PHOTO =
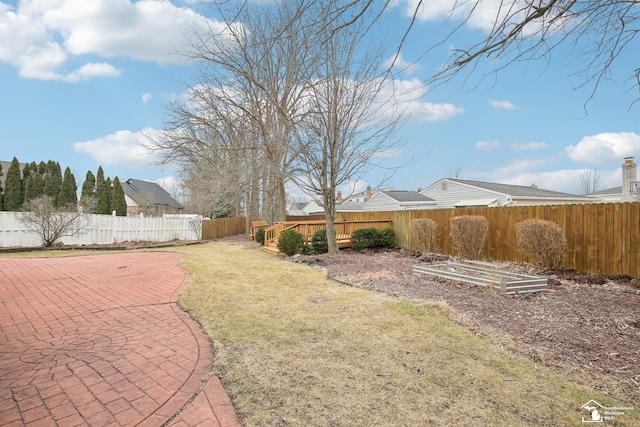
(586, 325)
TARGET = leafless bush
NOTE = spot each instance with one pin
(423, 234)
(88, 204)
(468, 233)
(544, 241)
(195, 225)
(50, 223)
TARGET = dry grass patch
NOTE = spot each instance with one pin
(293, 348)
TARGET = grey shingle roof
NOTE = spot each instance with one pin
(516, 190)
(407, 196)
(614, 190)
(146, 193)
(349, 206)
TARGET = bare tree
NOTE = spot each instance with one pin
(351, 116)
(246, 103)
(597, 32)
(51, 223)
(523, 30)
(589, 181)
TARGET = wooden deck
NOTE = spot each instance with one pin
(344, 229)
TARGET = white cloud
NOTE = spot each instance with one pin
(91, 70)
(521, 165)
(487, 145)
(502, 105)
(401, 64)
(40, 36)
(605, 148)
(521, 146)
(146, 97)
(122, 148)
(409, 94)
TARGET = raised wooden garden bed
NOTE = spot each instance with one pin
(483, 274)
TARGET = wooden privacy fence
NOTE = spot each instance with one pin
(602, 238)
(223, 227)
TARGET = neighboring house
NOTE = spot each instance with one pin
(609, 195)
(458, 193)
(313, 208)
(629, 191)
(297, 209)
(149, 199)
(398, 200)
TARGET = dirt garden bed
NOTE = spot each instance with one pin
(586, 325)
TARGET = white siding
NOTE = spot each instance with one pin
(381, 202)
(455, 192)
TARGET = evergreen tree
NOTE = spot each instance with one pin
(68, 190)
(99, 177)
(118, 202)
(89, 185)
(52, 180)
(26, 172)
(13, 194)
(42, 168)
(30, 187)
(104, 197)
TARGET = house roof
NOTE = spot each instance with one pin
(608, 191)
(348, 206)
(516, 190)
(404, 196)
(146, 193)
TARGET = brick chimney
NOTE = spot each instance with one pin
(368, 193)
(339, 198)
(628, 176)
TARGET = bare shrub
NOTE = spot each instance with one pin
(51, 223)
(423, 234)
(542, 240)
(468, 234)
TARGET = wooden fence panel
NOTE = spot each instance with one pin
(223, 227)
(602, 238)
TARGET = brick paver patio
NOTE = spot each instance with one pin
(99, 340)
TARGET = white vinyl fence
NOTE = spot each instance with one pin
(106, 229)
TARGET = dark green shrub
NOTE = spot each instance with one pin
(364, 238)
(373, 238)
(387, 237)
(308, 250)
(319, 241)
(259, 236)
(290, 242)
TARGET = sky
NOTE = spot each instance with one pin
(85, 82)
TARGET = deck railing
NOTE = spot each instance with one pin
(343, 228)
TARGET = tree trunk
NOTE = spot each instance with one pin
(329, 216)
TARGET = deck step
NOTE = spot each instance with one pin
(271, 249)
